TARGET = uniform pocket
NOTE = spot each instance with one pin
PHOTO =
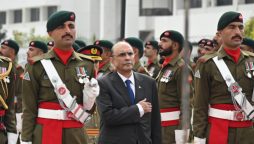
(46, 83)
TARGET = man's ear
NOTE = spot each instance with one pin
(49, 33)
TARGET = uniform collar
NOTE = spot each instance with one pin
(222, 53)
(174, 61)
(52, 54)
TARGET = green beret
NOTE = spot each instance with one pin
(153, 43)
(93, 51)
(80, 43)
(228, 18)
(174, 35)
(75, 46)
(249, 42)
(104, 43)
(40, 45)
(59, 18)
(137, 43)
(50, 43)
(12, 44)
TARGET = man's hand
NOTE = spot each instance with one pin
(147, 106)
(90, 92)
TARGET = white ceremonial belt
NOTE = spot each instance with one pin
(168, 116)
(52, 114)
(227, 114)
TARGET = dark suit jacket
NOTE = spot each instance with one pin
(120, 121)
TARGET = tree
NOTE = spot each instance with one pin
(2, 33)
(249, 28)
(23, 38)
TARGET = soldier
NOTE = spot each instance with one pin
(248, 44)
(104, 66)
(58, 96)
(138, 49)
(217, 41)
(224, 89)
(151, 52)
(7, 108)
(36, 48)
(92, 127)
(10, 49)
(169, 82)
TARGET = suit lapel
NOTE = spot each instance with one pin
(139, 89)
(120, 87)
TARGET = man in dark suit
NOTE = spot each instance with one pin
(129, 111)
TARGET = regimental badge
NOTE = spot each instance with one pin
(167, 76)
(26, 76)
(93, 51)
(234, 89)
(61, 90)
(81, 73)
(197, 74)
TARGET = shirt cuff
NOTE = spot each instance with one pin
(141, 110)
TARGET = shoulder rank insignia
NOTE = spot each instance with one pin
(26, 76)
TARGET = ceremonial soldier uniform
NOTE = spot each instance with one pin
(7, 112)
(169, 82)
(92, 126)
(219, 117)
(57, 92)
(151, 51)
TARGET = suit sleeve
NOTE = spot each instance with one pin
(30, 108)
(201, 85)
(111, 115)
(156, 117)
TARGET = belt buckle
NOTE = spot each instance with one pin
(239, 115)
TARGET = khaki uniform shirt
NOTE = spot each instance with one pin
(104, 70)
(139, 68)
(7, 93)
(153, 68)
(169, 82)
(38, 88)
(19, 71)
(210, 87)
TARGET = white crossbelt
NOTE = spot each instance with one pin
(63, 94)
(52, 114)
(225, 114)
(168, 116)
(229, 79)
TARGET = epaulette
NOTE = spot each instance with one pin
(180, 62)
(206, 57)
(36, 59)
(5, 59)
(248, 53)
(85, 57)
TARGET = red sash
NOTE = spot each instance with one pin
(219, 127)
(171, 122)
(52, 129)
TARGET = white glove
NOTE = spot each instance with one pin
(19, 121)
(199, 140)
(90, 92)
(21, 142)
(12, 138)
(180, 135)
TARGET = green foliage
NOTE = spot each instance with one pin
(23, 39)
(249, 28)
(2, 33)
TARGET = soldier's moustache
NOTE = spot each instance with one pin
(67, 35)
(237, 36)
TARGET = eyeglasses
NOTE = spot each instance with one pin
(123, 54)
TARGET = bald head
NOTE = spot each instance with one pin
(123, 58)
